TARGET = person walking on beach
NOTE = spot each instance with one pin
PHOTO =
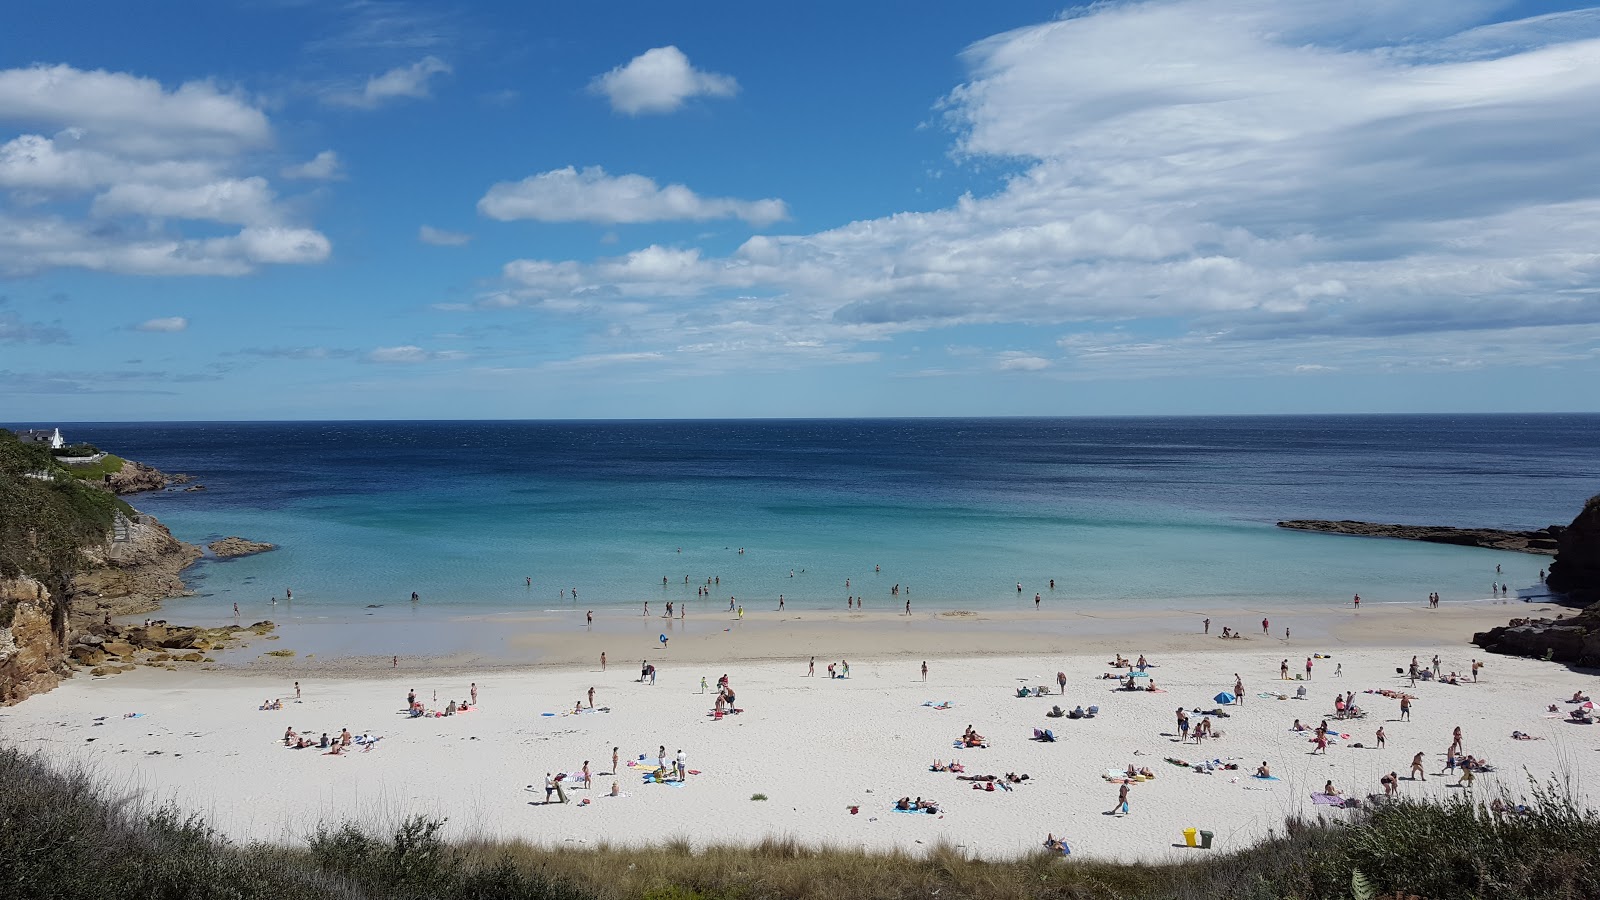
(908, 606)
(602, 660)
(1405, 709)
(1357, 601)
(591, 698)
(1381, 737)
(297, 690)
(1206, 623)
(1308, 668)
(924, 670)
(1475, 667)
(235, 613)
(683, 766)
(1455, 740)
(614, 759)
(1264, 626)
(1061, 682)
(811, 670)
(1416, 769)
(1035, 601)
(394, 662)
(780, 603)
(1338, 670)
(1183, 726)
(1283, 670)
(588, 782)
(1238, 689)
(1121, 809)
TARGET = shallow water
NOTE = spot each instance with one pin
(1117, 511)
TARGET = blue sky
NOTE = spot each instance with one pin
(281, 210)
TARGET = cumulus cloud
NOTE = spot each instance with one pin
(413, 82)
(136, 178)
(325, 166)
(168, 325)
(591, 195)
(660, 81)
(135, 115)
(410, 354)
(1254, 175)
(442, 238)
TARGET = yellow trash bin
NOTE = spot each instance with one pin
(1188, 836)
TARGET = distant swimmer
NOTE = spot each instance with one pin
(1052, 584)
(780, 603)
(1035, 601)
(877, 569)
(908, 606)
(663, 581)
(1019, 587)
(529, 579)
(791, 573)
(414, 597)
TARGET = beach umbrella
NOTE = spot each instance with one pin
(1223, 697)
(1589, 705)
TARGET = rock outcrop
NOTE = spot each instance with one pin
(131, 576)
(1566, 639)
(109, 649)
(1576, 575)
(1576, 570)
(30, 657)
(135, 477)
(1543, 541)
(229, 547)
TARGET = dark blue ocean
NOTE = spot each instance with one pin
(1118, 511)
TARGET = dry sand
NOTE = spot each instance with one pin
(815, 747)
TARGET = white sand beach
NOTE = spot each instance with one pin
(814, 747)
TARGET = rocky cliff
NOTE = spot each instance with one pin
(1545, 540)
(1576, 570)
(31, 660)
(132, 576)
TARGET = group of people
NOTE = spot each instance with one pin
(335, 745)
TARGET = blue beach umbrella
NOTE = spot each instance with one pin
(1223, 697)
(663, 640)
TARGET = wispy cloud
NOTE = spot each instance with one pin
(412, 82)
(442, 238)
(591, 195)
(408, 354)
(325, 166)
(166, 325)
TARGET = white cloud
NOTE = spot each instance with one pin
(237, 201)
(1253, 175)
(410, 354)
(411, 82)
(591, 195)
(442, 238)
(660, 81)
(1018, 361)
(137, 178)
(325, 166)
(168, 325)
(135, 115)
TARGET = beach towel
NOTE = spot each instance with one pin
(1332, 800)
(1265, 777)
(909, 812)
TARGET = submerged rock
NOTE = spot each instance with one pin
(230, 547)
(1544, 540)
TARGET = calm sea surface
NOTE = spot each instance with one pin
(1118, 511)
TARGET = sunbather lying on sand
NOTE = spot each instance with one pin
(1052, 844)
(1524, 736)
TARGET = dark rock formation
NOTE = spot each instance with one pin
(1576, 570)
(1565, 639)
(229, 547)
(30, 658)
(1576, 574)
(135, 477)
(1542, 541)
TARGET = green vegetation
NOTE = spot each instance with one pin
(97, 471)
(61, 838)
(45, 522)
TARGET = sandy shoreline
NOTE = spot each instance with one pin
(512, 641)
(815, 746)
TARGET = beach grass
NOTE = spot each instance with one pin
(98, 470)
(62, 836)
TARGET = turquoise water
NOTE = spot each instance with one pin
(1118, 511)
